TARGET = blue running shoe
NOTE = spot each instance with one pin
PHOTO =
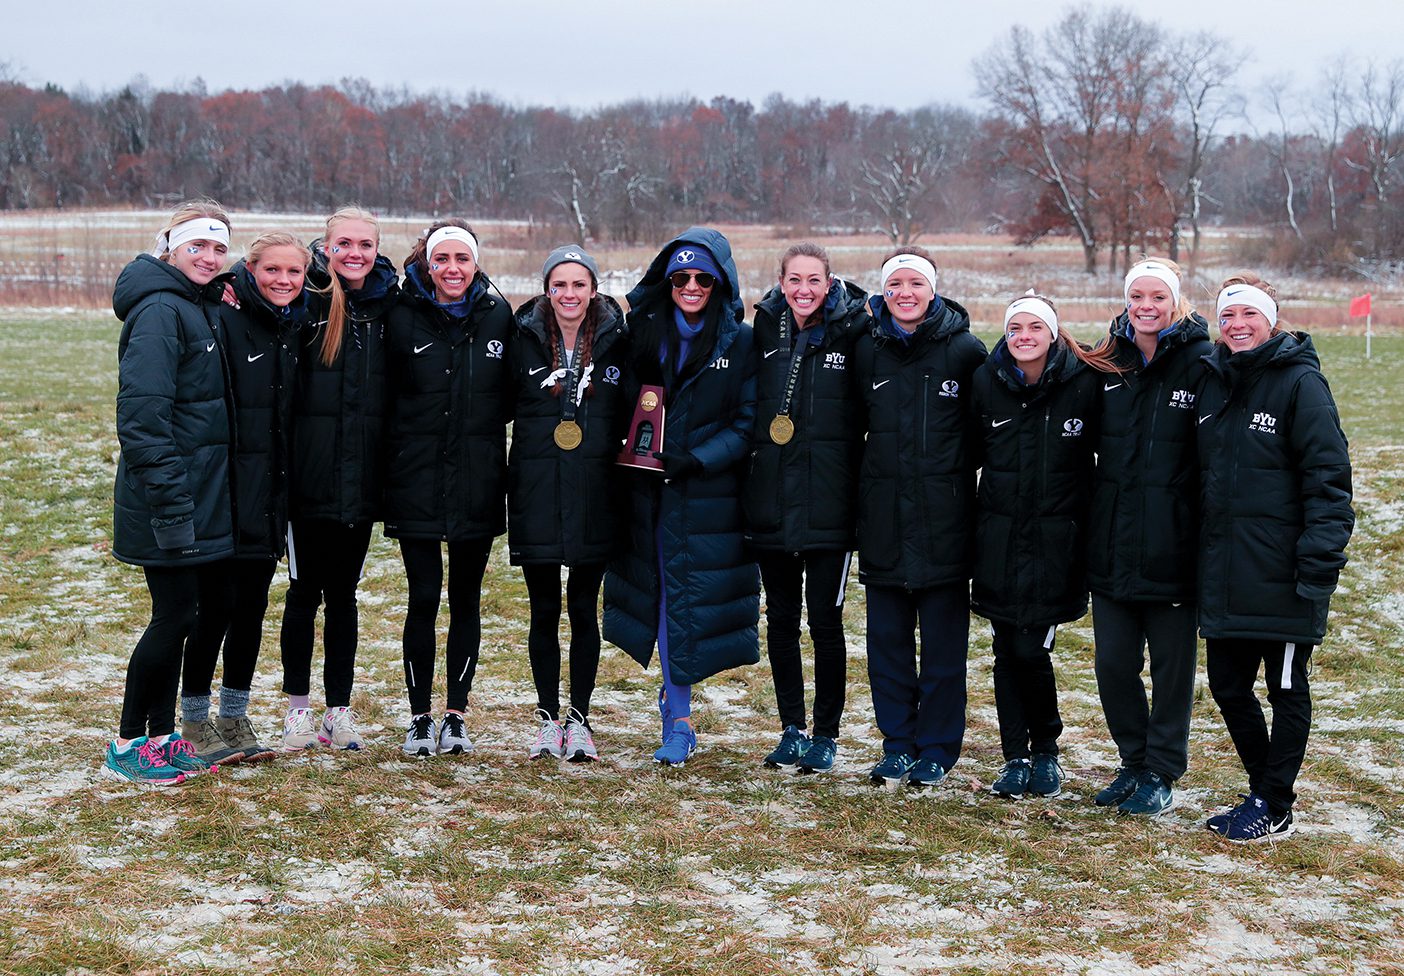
(1046, 777)
(1013, 779)
(1152, 798)
(926, 774)
(1219, 822)
(819, 757)
(180, 754)
(793, 744)
(1253, 821)
(892, 771)
(142, 762)
(1126, 782)
(680, 744)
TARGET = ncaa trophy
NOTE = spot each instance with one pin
(645, 432)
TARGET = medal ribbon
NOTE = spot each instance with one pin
(570, 398)
(796, 360)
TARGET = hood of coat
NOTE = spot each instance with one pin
(147, 276)
(843, 307)
(653, 289)
(1187, 329)
(1062, 366)
(246, 290)
(1282, 350)
(382, 281)
(943, 319)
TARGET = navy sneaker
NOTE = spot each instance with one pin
(1253, 821)
(1013, 779)
(1046, 778)
(892, 770)
(1152, 798)
(1126, 782)
(793, 744)
(819, 757)
(925, 775)
(1219, 822)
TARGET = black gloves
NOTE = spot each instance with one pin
(678, 463)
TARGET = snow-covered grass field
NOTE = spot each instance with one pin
(373, 864)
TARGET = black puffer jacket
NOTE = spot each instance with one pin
(563, 506)
(1035, 484)
(450, 392)
(916, 487)
(261, 341)
(172, 500)
(1144, 526)
(339, 427)
(804, 495)
(1276, 491)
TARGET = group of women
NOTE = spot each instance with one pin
(289, 406)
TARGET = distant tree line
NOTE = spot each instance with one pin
(1105, 127)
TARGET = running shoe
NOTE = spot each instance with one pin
(819, 757)
(793, 743)
(420, 737)
(1219, 822)
(298, 731)
(1253, 821)
(1123, 784)
(453, 737)
(925, 774)
(339, 730)
(141, 762)
(1046, 777)
(550, 737)
(1013, 780)
(1152, 798)
(892, 770)
(180, 754)
(579, 743)
(678, 746)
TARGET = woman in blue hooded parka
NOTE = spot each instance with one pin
(685, 582)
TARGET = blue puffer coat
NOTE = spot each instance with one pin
(172, 500)
(713, 587)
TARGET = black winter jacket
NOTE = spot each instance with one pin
(261, 342)
(172, 503)
(693, 524)
(1036, 469)
(339, 410)
(1276, 493)
(804, 495)
(450, 395)
(1144, 525)
(564, 506)
(916, 487)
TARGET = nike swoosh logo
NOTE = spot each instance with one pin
(882, 383)
(210, 347)
(1110, 386)
(533, 372)
(420, 349)
(1202, 419)
(769, 353)
(259, 356)
(1001, 423)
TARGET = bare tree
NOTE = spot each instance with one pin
(1378, 117)
(1331, 107)
(1277, 92)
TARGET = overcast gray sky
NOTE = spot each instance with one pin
(586, 54)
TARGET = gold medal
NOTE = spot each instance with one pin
(568, 435)
(782, 429)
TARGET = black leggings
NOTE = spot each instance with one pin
(153, 674)
(543, 583)
(324, 564)
(233, 602)
(424, 571)
(821, 576)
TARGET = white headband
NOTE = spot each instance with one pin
(194, 229)
(1251, 296)
(451, 233)
(1034, 306)
(1158, 271)
(911, 262)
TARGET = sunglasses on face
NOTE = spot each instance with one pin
(679, 279)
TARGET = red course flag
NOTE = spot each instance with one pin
(1360, 307)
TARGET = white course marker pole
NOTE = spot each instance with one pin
(1368, 333)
